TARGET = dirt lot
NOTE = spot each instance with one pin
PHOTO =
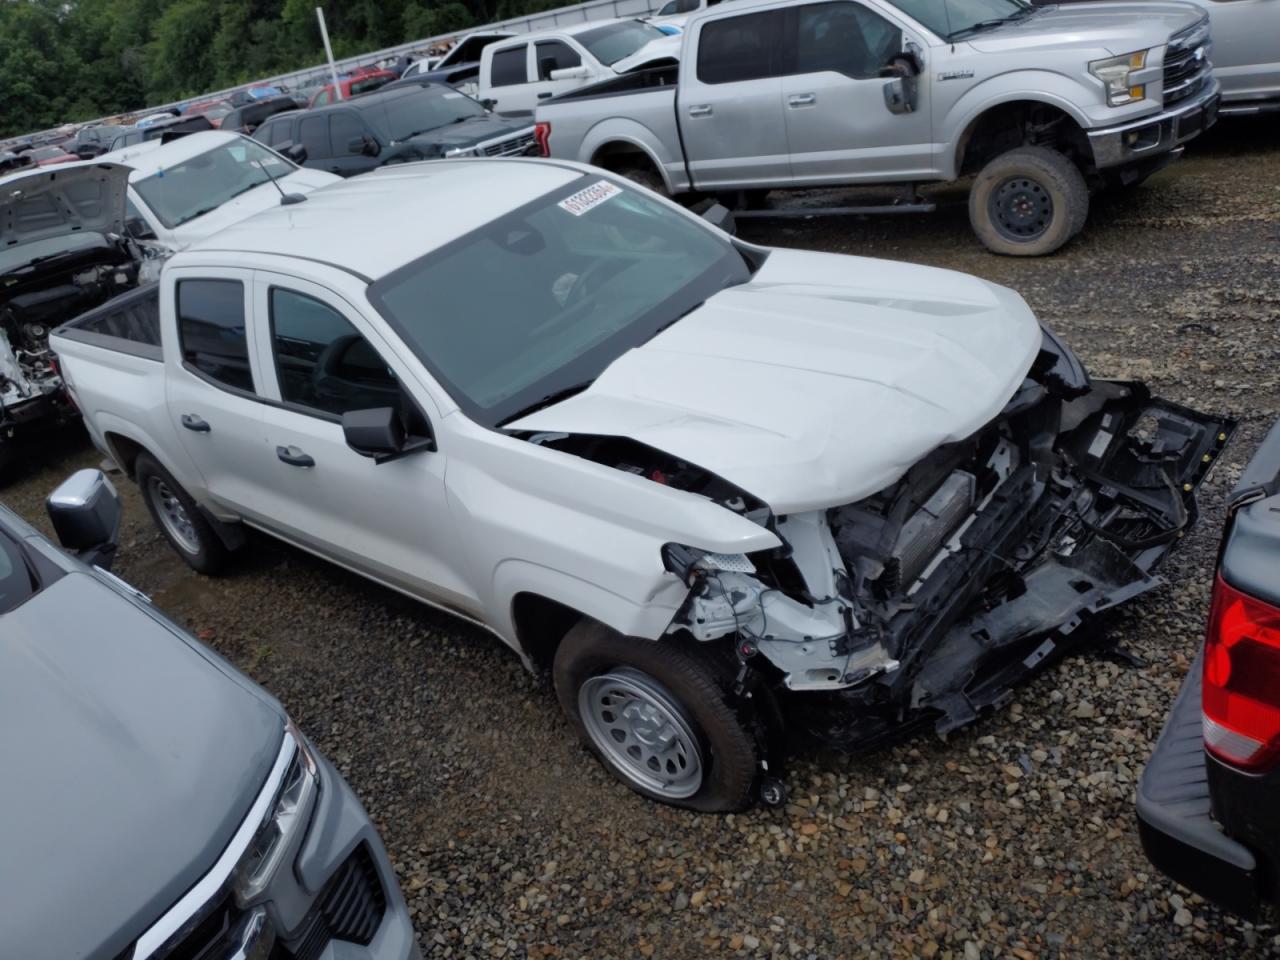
(1014, 838)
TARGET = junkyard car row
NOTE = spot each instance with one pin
(734, 498)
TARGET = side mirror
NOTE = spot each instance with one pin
(720, 216)
(295, 152)
(85, 512)
(379, 434)
(488, 103)
(571, 73)
(900, 94)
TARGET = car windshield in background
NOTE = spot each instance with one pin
(615, 41)
(369, 84)
(426, 108)
(949, 18)
(587, 273)
(187, 190)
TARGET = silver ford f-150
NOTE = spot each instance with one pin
(1043, 104)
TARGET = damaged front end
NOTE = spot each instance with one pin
(928, 601)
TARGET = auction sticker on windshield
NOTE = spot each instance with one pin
(596, 194)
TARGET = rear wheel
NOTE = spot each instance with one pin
(1028, 202)
(655, 715)
(646, 176)
(178, 517)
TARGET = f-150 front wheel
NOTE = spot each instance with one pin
(656, 716)
(1028, 202)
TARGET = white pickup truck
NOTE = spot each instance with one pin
(728, 493)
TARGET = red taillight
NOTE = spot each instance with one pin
(1241, 693)
(542, 134)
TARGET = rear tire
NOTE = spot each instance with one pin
(646, 176)
(656, 717)
(178, 517)
(1028, 202)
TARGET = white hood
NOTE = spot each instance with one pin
(42, 204)
(818, 383)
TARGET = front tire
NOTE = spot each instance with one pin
(656, 717)
(1028, 202)
(178, 517)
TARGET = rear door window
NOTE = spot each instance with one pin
(510, 67)
(314, 134)
(741, 48)
(211, 331)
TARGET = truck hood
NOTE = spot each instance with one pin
(1115, 27)
(262, 197)
(458, 136)
(819, 382)
(71, 199)
(666, 48)
(130, 757)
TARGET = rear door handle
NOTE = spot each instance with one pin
(802, 99)
(192, 422)
(700, 110)
(294, 457)
(544, 96)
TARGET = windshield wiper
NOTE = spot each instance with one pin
(676, 319)
(564, 393)
(988, 24)
(199, 213)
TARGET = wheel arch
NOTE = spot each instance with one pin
(620, 139)
(1012, 119)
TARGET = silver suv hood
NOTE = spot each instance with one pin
(1115, 27)
(819, 382)
(41, 204)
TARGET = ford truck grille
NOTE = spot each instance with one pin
(1186, 63)
(515, 147)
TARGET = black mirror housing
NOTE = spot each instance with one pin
(85, 513)
(295, 152)
(375, 433)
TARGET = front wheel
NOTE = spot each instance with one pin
(1028, 202)
(656, 717)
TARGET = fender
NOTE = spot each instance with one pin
(613, 130)
(1030, 86)
(648, 620)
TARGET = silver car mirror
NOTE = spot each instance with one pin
(85, 512)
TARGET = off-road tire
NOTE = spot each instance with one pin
(1043, 174)
(212, 555)
(728, 748)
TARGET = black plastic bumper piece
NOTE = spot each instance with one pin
(1174, 822)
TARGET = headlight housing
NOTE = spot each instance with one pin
(691, 564)
(289, 814)
(1114, 72)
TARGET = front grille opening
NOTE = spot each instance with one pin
(1186, 68)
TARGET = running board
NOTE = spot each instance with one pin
(923, 207)
(1247, 109)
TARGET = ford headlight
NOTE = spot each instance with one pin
(288, 815)
(1114, 72)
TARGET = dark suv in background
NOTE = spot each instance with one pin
(409, 123)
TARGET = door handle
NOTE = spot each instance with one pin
(544, 96)
(802, 99)
(192, 422)
(294, 457)
(700, 110)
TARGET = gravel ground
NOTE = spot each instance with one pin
(1014, 838)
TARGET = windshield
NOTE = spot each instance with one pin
(615, 41)
(184, 191)
(543, 299)
(948, 18)
(426, 108)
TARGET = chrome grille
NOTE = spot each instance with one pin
(514, 147)
(1186, 63)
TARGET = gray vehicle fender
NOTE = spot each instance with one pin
(616, 130)
(1042, 86)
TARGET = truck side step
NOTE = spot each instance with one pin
(923, 206)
